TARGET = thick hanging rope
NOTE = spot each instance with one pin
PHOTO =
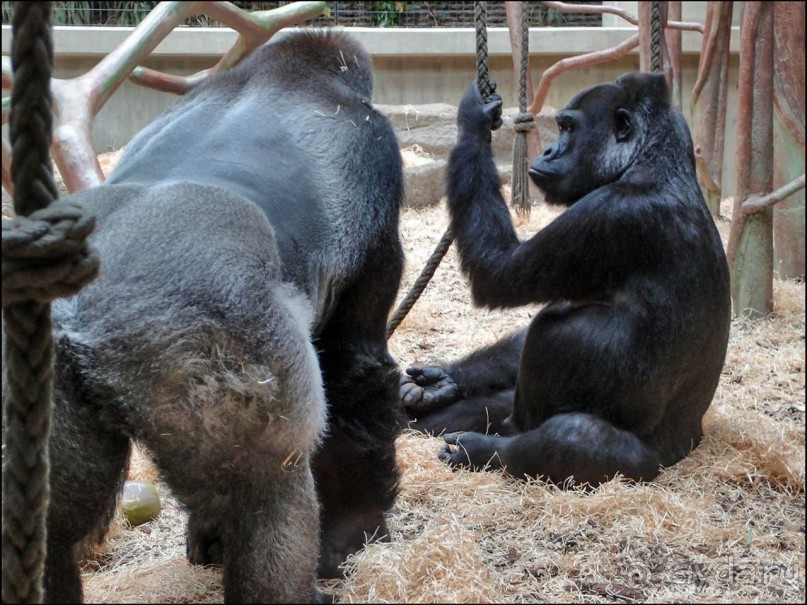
(44, 256)
(481, 20)
(421, 282)
(523, 122)
(483, 80)
(656, 63)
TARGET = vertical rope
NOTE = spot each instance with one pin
(522, 124)
(481, 20)
(483, 81)
(29, 346)
(655, 36)
(525, 56)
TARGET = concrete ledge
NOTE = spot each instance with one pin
(214, 41)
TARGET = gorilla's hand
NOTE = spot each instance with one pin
(428, 388)
(477, 116)
(473, 450)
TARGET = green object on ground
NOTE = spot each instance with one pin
(140, 502)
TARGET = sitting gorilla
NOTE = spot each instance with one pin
(615, 373)
(249, 258)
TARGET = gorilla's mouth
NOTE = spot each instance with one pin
(538, 176)
(535, 170)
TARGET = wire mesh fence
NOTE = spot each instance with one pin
(346, 14)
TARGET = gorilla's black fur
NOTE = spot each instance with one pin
(617, 371)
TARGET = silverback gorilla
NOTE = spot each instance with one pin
(250, 256)
(615, 373)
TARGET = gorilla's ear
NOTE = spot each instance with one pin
(646, 85)
(623, 128)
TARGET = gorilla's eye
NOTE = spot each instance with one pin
(566, 126)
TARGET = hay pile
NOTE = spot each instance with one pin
(724, 525)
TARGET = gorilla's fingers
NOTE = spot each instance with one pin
(426, 389)
(434, 373)
(493, 107)
(428, 375)
(493, 110)
(410, 393)
(473, 89)
(445, 454)
(454, 458)
(417, 371)
(452, 438)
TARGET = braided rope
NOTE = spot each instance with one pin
(28, 348)
(481, 20)
(421, 282)
(45, 256)
(32, 241)
(525, 57)
(483, 81)
(523, 122)
(655, 36)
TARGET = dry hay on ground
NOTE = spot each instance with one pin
(724, 525)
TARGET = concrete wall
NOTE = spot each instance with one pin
(413, 66)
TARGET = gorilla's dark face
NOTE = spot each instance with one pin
(598, 138)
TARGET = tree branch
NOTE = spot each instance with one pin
(255, 29)
(599, 56)
(78, 100)
(754, 203)
(619, 12)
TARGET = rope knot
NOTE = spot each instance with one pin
(523, 121)
(46, 255)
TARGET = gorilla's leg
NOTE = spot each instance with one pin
(233, 416)
(352, 513)
(271, 544)
(363, 422)
(480, 414)
(580, 446)
(580, 409)
(355, 471)
(264, 532)
(88, 462)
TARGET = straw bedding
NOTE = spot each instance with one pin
(724, 525)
